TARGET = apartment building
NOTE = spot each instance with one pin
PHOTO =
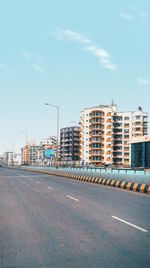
(106, 133)
(126, 126)
(33, 154)
(28, 153)
(140, 152)
(45, 144)
(70, 143)
(24, 155)
(51, 141)
(12, 158)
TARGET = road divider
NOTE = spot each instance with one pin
(126, 185)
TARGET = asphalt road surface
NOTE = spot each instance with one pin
(48, 221)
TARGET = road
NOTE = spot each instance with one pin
(48, 221)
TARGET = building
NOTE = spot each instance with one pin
(12, 159)
(127, 125)
(45, 144)
(70, 143)
(140, 152)
(33, 154)
(25, 155)
(51, 141)
(106, 133)
(28, 153)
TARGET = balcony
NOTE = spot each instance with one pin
(96, 121)
(98, 161)
(96, 151)
(118, 157)
(96, 134)
(145, 119)
(97, 126)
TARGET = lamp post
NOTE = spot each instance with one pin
(57, 139)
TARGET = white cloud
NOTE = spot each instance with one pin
(133, 13)
(27, 56)
(72, 36)
(103, 55)
(126, 15)
(142, 14)
(3, 67)
(37, 62)
(143, 82)
(38, 68)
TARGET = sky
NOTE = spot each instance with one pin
(73, 54)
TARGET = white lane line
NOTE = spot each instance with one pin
(29, 185)
(133, 225)
(30, 178)
(77, 200)
(37, 182)
(50, 188)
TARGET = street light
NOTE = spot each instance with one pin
(57, 140)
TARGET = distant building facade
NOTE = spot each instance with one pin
(45, 144)
(70, 143)
(106, 133)
(140, 152)
(33, 154)
(12, 159)
(28, 153)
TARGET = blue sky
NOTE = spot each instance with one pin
(74, 54)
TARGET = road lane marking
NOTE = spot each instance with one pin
(128, 223)
(50, 188)
(30, 178)
(29, 185)
(77, 200)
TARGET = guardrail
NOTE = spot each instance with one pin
(139, 184)
(106, 170)
(103, 173)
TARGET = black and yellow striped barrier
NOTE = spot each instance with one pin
(131, 186)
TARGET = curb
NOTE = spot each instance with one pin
(130, 186)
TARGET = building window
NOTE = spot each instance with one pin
(126, 125)
(138, 117)
(137, 129)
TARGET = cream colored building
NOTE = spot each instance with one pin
(106, 133)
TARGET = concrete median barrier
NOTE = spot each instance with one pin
(126, 185)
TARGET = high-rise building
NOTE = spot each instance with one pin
(140, 152)
(45, 144)
(28, 153)
(70, 143)
(12, 158)
(106, 133)
(24, 155)
(51, 141)
(33, 154)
